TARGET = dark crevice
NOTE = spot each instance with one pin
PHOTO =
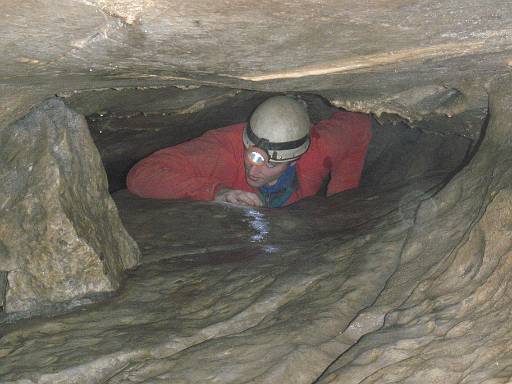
(125, 136)
(3, 289)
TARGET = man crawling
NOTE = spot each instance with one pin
(274, 160)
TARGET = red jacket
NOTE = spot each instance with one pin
(197, 169)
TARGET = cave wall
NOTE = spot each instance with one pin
(411, 287)
(396, 282)
(452, 322)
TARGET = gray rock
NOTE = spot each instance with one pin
(451, 293)
(61, 237)
(403, 285)
(234, 294)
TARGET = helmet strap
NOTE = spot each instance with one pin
(263, 144)
(274, 146)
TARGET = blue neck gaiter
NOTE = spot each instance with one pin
(275, 196)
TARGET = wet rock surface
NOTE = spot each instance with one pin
(61, 237)
(405, 281)
(231, 294)
(243, 294)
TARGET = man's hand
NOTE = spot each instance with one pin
(236, 196)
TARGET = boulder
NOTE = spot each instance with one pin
(60, 234)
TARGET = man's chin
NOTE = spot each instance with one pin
(254, 183)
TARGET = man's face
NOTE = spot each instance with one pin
(259, 175)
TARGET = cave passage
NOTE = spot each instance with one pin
(405, 280)
(222, 288)
(397, 151)
(404, 164)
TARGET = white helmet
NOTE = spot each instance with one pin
(280, 126)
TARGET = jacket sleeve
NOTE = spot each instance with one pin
(350, 135)
(195, 170)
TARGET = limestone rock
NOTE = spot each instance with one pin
(232, 294)
(373, 50)
(407, 284)
(450, 322)
(60, 235)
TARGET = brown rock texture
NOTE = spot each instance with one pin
(451, 323)
(321, 292)
(61, 237)
(367, 56)
(404, 281)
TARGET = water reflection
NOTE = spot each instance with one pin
(261, 225)
(258, 222)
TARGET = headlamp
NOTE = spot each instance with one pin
(257, 157)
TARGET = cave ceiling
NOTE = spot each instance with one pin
(379, 56)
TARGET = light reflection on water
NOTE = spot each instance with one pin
(259, 223)
(270, 248)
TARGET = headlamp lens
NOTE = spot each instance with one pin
(256, 156)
